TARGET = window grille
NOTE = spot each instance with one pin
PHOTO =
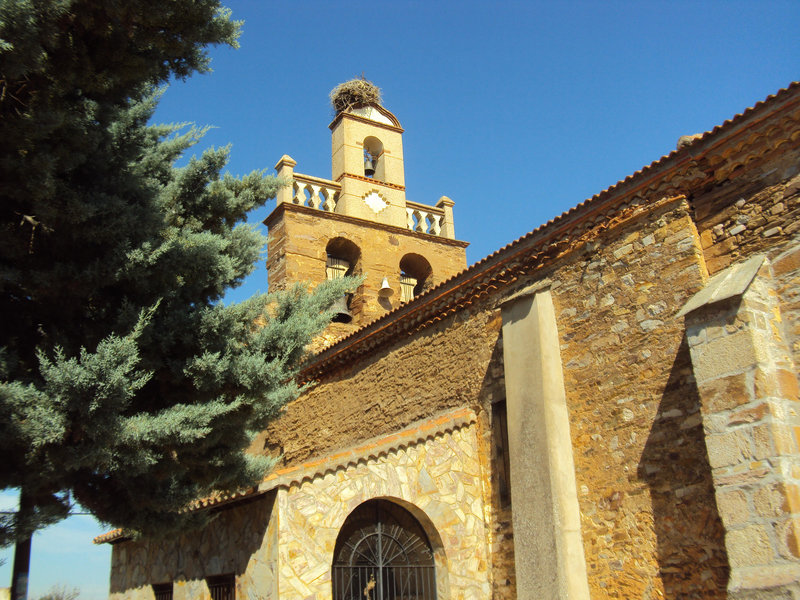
(162, 591)
(407, 285)
(336, 268)
(382, 553)
(222, 587)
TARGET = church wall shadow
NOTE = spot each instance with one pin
(691, 552)
(224, 546)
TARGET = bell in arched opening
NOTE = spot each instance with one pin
(369, 164)
(336, 268)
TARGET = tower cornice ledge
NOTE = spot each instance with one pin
(285, 206)
(343, 115)
(393, 186)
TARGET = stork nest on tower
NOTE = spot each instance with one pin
(354, 93)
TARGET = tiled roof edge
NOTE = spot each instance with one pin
(657, 169)
(120, 535)
(115, 535)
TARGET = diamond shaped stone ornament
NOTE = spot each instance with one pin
(375, 202)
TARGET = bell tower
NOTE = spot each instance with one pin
(360, 222)
(367, 160)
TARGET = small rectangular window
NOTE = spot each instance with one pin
(500, 442)
(222, 587)
(162, 591)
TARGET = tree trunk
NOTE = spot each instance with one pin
(22, 551)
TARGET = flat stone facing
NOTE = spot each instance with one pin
(281, 544)
(439, 480)
(242, 540)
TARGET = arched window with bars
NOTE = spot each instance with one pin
(383, 553)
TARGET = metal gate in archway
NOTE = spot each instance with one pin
(382, 553)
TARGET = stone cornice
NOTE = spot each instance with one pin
(738, 142)
(285, 206)
(370, 450)
(343, 115)
(393, 186)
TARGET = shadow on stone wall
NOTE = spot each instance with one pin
(225, 545)
(492, 399)
(690, 537)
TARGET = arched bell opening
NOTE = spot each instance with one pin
(342, 258)
(383, 552)
(415, 276)
(374, 167)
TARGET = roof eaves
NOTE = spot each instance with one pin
(637, 180)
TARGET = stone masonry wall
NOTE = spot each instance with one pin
(444, 367)
(786, 277)
(241, 540)
(456, 363)
(758, 211)
(651, 527)
(649, 519)
(754, 209)
(297, 252)
(748, 391)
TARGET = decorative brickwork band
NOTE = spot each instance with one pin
(748, 389)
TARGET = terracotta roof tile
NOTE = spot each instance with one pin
(706, 140)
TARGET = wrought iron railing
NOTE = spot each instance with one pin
(222, 587)
(407, 582)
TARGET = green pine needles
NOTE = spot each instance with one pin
(125, 384)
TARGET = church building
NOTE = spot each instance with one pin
(605, 408)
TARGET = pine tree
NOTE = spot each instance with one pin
(125, 384)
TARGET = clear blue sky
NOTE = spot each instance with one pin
(517, 111)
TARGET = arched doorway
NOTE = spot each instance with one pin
(383, 553)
